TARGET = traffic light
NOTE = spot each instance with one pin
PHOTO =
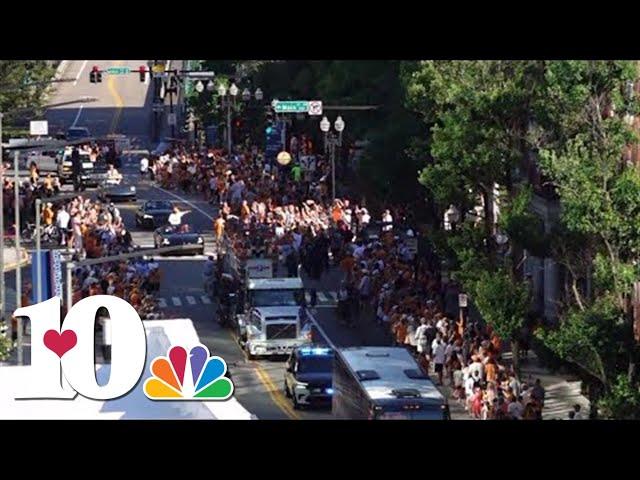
(95, 76)
(143, 73)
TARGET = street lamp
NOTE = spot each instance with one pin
(325, 125)
(210, 86)
(330, 142)
(200, 86)
(246, 95)
(258, 94)
(222, 90)
(233, 90)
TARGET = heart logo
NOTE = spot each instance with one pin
(60, 343)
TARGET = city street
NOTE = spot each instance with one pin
(124, 108)
(398, 288)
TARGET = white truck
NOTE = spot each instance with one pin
(274, 316)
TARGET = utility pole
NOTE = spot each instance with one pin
(18, 269)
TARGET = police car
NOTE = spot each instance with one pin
(308, 376)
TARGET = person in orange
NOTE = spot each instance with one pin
(336, 212)
(400, 331)
(497, 343)
(491, 371)
(47, 214)
(134, 298)
(218, 227)
(346, 265)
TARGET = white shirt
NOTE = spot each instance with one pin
(438, 351)
(62, 219)
(476, 370)
(144, 164)
(176, 218)
(387, 219)
(468, 386)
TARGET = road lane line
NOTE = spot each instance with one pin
(190, 300)
(176, 301)
(275, 394)
(84, 64)
(332, 296)
(77, 116)
(183, 200)
(118, 101)
(205, 300)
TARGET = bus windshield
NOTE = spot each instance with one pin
(428, 413)
(276, 298)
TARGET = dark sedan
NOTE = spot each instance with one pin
(179, 235)
(154, 214)
(110, 191)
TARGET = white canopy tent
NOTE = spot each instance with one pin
(161, 334)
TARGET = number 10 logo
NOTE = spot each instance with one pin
(62, 357)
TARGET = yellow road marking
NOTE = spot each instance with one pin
(117, 98)
(274, 392)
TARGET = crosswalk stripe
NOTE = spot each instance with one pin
(176, 301)
(162, 303)
(322, 297)
(205, 300)
(332, 296)
(191, 300)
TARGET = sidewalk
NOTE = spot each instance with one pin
(562, 392)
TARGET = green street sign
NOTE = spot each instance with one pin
(118, 70)
(295, 106)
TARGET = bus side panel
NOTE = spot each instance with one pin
(350, 402)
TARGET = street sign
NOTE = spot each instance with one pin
(39, 127)
(118, 70)
(200, 74)
(412, 245)
(295, 106)
(171, 119)
(462, 300)
(315, 107)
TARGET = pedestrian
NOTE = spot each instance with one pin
(438, 348)
(144, 166)
(421, 336)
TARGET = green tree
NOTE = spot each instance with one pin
(600, 204)
(22, 87)
(478, 115)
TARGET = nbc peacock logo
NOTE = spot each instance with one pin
(201, 378)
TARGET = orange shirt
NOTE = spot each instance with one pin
(401, 332)
(336, 213)
(219, 227)
(491, 372)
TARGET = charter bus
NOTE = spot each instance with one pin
(384, 383)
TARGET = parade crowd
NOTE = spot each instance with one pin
(287, 214)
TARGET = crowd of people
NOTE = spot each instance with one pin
(287, 215)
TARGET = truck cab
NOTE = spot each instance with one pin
(275, 330)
